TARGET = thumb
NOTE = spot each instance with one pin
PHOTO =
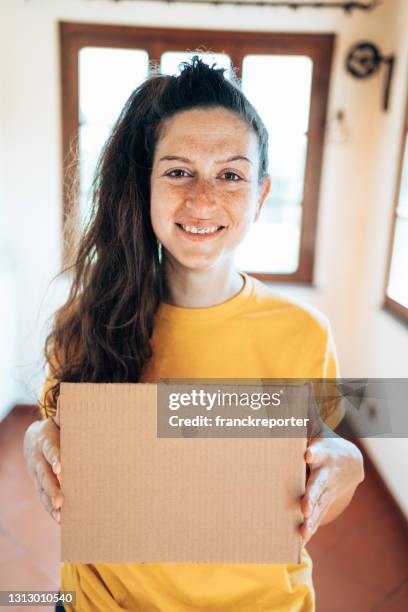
(316, 452)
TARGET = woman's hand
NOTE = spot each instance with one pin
(336, 468)
(42, 453)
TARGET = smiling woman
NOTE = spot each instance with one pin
(207, 187)
(156, 294)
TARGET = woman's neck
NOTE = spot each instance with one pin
(201, 288)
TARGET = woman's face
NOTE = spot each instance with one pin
(205, 192)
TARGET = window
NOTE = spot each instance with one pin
(123, 69)
(396, 295)
(286, 76)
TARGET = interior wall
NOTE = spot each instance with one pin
(357, 189)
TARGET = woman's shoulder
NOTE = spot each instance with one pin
(299, 332)
(273, 302)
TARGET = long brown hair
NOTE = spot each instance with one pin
(102, 333)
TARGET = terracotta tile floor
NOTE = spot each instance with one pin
(360, 560)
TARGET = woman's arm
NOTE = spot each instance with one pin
(336, 469)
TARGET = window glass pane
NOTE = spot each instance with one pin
(280, 88)
(169, 62)
(107, 77)
(398, 281)
(402, 209)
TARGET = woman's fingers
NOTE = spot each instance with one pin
(42, 452)
(51, 451)
(336, 468)
(311, 524)
(48, 487)
(317, 452)
(45, 500)
(47, 503)
(48, 482)
(315, 485)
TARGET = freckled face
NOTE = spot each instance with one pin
(205, 192)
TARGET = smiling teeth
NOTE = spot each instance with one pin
(199, 230)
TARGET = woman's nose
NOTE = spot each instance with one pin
(201, 199)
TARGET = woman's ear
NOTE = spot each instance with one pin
(264, 190)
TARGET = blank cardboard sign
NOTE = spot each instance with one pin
(130, 496)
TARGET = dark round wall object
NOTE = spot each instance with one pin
(363, 60)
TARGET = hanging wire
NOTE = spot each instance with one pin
(347, 6)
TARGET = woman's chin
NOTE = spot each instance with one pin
(193, 261)
(199, 266)
(196, 265)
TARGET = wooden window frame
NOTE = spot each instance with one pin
(237, 44)
(391, 305)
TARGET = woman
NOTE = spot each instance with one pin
(156, 295)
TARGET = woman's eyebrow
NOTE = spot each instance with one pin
(233, 158)
(218, 161)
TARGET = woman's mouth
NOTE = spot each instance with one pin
(200, 232)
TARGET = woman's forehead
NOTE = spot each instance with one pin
(213, 131)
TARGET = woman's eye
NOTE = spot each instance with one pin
(231, 176)
(227, 175)
(178, 172)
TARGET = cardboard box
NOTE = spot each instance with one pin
(130, 496)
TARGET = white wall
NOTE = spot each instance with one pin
(357, 188)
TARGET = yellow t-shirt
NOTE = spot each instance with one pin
(255, 334)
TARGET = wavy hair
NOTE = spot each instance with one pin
(103, 331)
